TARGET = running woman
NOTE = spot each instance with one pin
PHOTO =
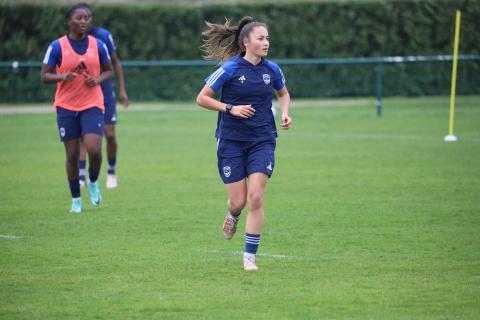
(110, 105)
(246, 132)
(78, 64)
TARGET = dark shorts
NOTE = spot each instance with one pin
(73, 124)
(110, 112)
(239, 159)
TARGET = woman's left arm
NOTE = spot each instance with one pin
(284, 101)
(104, 75)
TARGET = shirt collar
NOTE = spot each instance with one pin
(248, 63)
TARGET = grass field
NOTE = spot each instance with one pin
(366, 218)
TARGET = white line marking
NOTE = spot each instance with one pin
(275, 255)
(270, 255)
(9, 236)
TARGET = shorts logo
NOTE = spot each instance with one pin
(114, 118)
(227, 171)
(269, 167)
(266, 78)
(62, 132)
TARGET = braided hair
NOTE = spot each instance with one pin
(71, 11)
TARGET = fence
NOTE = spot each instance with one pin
(306, 78)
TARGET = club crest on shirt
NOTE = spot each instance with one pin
(227, 171)
(266, 78)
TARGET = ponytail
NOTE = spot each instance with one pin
(219, 43)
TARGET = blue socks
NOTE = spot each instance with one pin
(93, 174)
(251, 243)
(74, 188)
(81, 173)
(111, 165)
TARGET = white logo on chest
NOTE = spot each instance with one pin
(242, 79)
(266, 78)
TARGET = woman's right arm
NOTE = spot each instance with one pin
(52, 58)
(48, 75)
(206, 100)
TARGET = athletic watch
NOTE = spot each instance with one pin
(228, 108)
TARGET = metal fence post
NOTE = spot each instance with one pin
(378, 88)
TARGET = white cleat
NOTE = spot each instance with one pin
(112, 181)
(249, 262)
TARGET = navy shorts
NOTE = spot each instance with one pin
(110, 112)
(239, 159)
(74, 124)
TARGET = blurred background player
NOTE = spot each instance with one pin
(246, 132)
(110, 104)
(78, 64)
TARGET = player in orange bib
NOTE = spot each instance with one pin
(78, 64)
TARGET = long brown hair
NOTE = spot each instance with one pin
(219, 43)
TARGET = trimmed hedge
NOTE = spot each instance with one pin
(298, 30)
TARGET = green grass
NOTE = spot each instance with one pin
(366, 218)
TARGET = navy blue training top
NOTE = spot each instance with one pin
(106, 37)
(244, 83)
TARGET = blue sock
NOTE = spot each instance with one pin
(81, 172)
(251, 243)
(74, 188)
(93, 174)
(111, 165)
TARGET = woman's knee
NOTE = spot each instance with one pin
(92, 143)
(109, 132)
(236, 203)
(110, 137)
(255, 200)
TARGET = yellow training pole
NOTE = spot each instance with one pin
(450, 136)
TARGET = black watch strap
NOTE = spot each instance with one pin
(228, 108)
